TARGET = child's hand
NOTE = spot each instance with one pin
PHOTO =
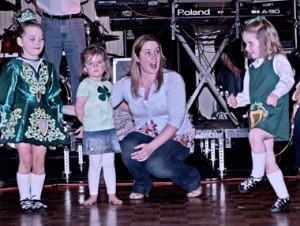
(79, 132)
(272, 99)
(296, 94)
(231, 101)
(69, 110)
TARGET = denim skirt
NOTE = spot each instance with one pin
(100, 142)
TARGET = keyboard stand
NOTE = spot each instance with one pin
(205, 76)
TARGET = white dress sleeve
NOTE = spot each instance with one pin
(243, 98)
(283, 69)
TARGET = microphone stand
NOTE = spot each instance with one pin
(95, 23)
(94, 32)
(18, 5)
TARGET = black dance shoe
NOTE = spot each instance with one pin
(280, 205)
(248, 185)
(38, 206)
(26, 206)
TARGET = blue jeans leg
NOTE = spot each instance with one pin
(53, 42)
(232, 84)
(69, 36)
(142, 178)
(74, 44)
(168, 161)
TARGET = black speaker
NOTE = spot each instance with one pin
(283, 14)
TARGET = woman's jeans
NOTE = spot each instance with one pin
(167, 161)
(296, 138)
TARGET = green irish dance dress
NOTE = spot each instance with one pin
(274, 120)
(30, 104)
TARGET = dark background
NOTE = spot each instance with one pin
(238, 164)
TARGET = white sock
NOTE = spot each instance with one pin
(23, 181)
(259, 163)
(277, 181)
(37, 184)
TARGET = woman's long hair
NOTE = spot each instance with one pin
(135, 72)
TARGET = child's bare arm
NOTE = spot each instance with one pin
(69, 110)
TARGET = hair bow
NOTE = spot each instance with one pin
(258, 18)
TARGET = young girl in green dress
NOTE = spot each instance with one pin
(267, 83)
(30, 107)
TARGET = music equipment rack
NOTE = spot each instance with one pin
(128, 16)
(206, 75)
(102, 5)
(198, 12)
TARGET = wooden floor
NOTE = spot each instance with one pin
(220, 204)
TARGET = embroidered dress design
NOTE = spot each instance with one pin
(10, 132)
(3, 118)
(30, 104)
(37, 86)
(42, 127)
(257, 113)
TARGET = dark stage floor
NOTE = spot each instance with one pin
(220, 204)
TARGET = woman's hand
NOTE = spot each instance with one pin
(146, 149)
(295, 109)
(296, 95)
(79, 132)
(143, 153)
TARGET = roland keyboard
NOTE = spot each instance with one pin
(119, 4)
(198, 12)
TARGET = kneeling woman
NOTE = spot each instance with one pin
(163, 135)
